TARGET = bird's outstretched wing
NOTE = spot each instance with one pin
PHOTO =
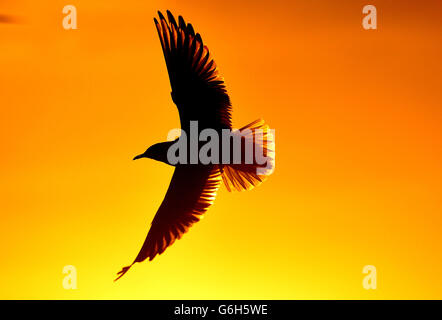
(197, 89)
(191, 192)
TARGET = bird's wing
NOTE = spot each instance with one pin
(191, 192)
(197, 89)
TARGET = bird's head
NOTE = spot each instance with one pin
(157, 152)
(149, 153)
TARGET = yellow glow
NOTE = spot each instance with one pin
(358, 177)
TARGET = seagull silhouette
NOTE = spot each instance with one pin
(200, 95)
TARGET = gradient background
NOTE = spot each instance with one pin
(358, 176)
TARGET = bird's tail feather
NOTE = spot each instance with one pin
(245, 176)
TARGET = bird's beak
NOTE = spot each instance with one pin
(139, 156)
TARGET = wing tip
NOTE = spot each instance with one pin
(190, 29)
(122, 272)
(181, 22)
(160, 14)
(171, 19)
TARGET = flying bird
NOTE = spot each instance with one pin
(5, 18)
(200, 95)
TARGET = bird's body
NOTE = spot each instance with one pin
(201, 98)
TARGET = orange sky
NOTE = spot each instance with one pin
(358, 177)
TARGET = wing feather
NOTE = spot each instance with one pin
(197, 88)
(191, 192)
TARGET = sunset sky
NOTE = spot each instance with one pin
(358, 125)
